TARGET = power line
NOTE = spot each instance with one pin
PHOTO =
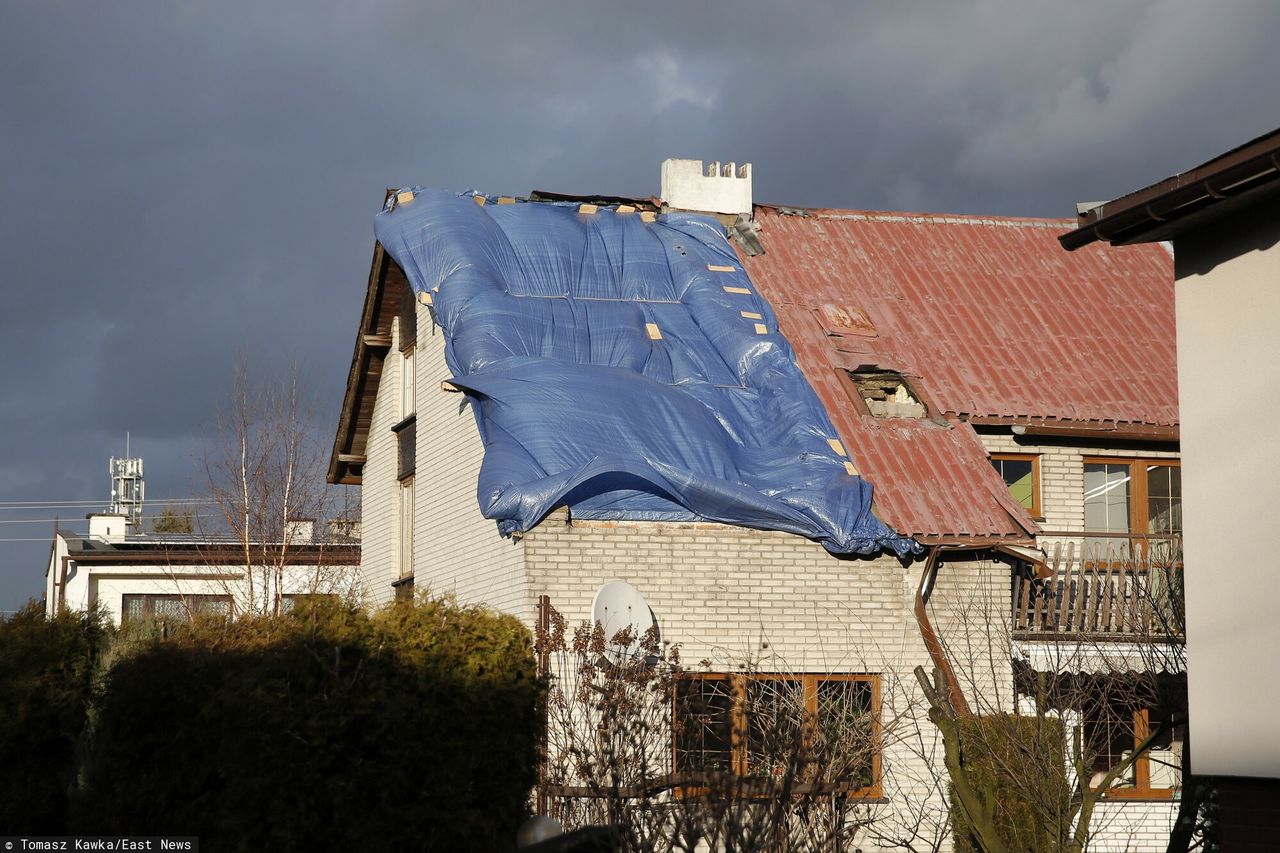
(79, 521)
(6, 506)
(91, 501)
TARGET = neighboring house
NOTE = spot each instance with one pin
(1223, 219)
(984, 382)
(133, 576)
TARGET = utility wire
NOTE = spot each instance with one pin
(81, 520)
(51, 505)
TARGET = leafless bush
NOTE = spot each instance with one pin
(685, 760)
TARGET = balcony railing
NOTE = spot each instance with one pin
(1104, 586)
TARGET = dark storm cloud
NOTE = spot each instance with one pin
(182, 182)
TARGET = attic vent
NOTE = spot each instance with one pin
(887, 394)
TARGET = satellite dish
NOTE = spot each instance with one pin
(618, 604)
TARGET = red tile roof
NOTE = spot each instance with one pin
(994, 319)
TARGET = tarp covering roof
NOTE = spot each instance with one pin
(625, 366)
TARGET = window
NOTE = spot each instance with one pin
(406, 430)
(1021, 473)
(821, 727)
(139, 606)
(1142, 497)
(406, 447)
(406, 527)
(408, 384)
(1113, 729)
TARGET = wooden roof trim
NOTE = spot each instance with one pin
(1120, 430)
(363, 378)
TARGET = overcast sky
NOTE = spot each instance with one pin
(183, 181)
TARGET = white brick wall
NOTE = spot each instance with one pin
(1132, 827)
(733, 595)
(379, 490)
(456, 549)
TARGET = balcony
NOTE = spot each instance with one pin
(1105, 587)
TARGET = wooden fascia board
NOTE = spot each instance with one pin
(346, 440)
(1115, 430)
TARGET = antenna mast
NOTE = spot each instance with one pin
(127, 487)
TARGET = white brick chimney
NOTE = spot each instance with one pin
(719, 188)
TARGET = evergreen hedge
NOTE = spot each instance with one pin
(415, 727)
(1019, 763)
(46, 672)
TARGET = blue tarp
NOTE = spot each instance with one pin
(625, 368)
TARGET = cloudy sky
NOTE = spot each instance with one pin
(185, 181)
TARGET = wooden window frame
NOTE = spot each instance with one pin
(1138, 503)
(1036, 510)
(408, 400)
(1141, 788)
(809, 684)
(404, 547)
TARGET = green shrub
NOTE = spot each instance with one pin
(46, 673)
(1019, 763)
(329, 729)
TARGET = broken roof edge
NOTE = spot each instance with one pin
(639, 202)
(1099, 427)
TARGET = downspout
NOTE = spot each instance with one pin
(931, 641)
(62, 585)
(927, 579)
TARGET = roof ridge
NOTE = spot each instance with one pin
(913, 216)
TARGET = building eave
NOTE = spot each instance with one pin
(1165, 209)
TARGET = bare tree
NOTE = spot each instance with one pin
(264, 477)
(686, 759)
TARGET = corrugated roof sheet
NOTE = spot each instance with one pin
(994, 319)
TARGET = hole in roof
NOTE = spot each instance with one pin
(887, 393)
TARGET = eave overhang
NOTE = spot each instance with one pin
(1190, 199)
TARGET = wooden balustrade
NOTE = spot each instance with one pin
(1104, 587)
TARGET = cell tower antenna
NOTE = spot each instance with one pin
(127, 486)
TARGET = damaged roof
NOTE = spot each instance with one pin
(987, 318)
(990, 322)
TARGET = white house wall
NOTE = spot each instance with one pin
(779, 602)
(379, 491)
(108, 588)
(456, 549)
(1228, 301)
